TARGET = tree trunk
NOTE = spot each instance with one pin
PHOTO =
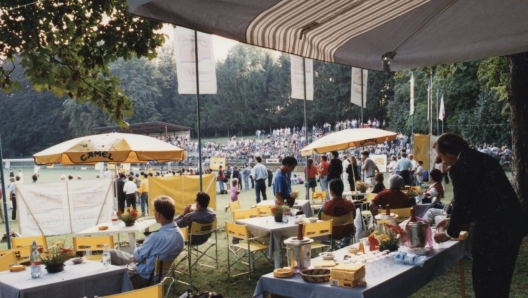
(518, 100)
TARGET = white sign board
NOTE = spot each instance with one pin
(64, 207)
(380, 161)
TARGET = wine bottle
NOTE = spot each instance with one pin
(300, 231)
(387, 209)
(413, 215)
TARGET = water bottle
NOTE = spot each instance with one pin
(34, 260)
(106, 256)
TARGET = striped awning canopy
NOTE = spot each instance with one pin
(358, 32)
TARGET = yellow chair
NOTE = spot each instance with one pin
(318, 198)
(7, 260)
(245, 213)
(264, 211)
(23, 244)
(318, 229)
(151, 292)
(194, 249)
(403, 213)
(245, 246)
(339, 225)
(366, 212)
(234, 205)
(90, 244)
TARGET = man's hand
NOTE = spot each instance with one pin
(441, 237)
(444, 224)
(187, 209)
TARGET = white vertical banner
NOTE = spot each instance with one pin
(185, 61)
(442, 113)
(355, 90)
(412, 94)
(297, 77)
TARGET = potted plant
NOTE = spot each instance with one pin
(361, 186)
(278, 210)
(129, 217)
(55, 257)
(386, 237)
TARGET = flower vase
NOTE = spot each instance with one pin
(363, 189)
(55, 268)
(278, 218)
(129, 223)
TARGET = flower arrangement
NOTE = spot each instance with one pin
(129, 216)
(362, 186)
(386, 236)
(278, 209)
(413, 192)
(56, 255)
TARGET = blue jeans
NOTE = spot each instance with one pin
(323, 183)
(221, 183)
(260, 186)
(246, 182)
(144, 203)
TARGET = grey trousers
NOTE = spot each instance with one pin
(121, 258)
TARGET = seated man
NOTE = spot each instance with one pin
(435, 192)
(392, 196)
(294, 179)
(202, 215)
(434, 215)
(167, 243)
(338, 206)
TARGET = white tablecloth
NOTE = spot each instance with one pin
(76, 281)
(399, 281)
(139, 226)
(303, 205)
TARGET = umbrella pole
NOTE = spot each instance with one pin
(4, 201)
(198, 106)
(305, 132)
(361, 125)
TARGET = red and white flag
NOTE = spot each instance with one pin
(441, 112)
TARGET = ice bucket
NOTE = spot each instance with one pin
(416, 233)
(299, 253)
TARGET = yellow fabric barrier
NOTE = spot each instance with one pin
(182, 189)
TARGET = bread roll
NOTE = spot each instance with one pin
(102, 228)
(17, 268)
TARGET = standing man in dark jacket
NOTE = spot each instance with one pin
(121, 197)
(236, 174)
(334, 170)
(270, 177)
(485, 198)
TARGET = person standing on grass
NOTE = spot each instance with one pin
(260, 174)
(143, 195)
(484, 198)
(130, 190)
(282, 184)
(234, 192)
(323, 172)
(246, 173)
(334, 171)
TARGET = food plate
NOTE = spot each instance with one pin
(77, 261)
(421, 251)
(326, 256)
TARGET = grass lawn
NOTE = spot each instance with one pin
(445, 285)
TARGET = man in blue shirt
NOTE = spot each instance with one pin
(167, 243)
(260, 174)
(282, 184)
(404, 167)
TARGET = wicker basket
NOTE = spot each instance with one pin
(316, 275)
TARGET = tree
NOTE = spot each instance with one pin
(66, 47)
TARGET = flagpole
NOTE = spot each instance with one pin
(198, 107)
(306, 130)
(4, 200)
(412, 109)
(437, 111)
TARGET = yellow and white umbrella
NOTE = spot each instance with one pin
(347, 138)
(111, 148)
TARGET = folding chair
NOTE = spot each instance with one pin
(340, 226)
(198, 231)
(246, 245)
(23, 244)
(91, 244)
(319, 229)
(245, 213)
(234, 205)
(8, 260)
(318, 198)
(264, 211)
(161, 269)
(151, 292)
(403, 213)
(365, 213)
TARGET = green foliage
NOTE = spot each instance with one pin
(66, 47)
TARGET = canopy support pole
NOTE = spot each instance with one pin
(306, 132)
(361, 125)
(4, 201)
(198, 107)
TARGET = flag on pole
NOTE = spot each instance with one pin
(186, 62)
(412, 94)
(297, 77)
(441, 113)
(355, 92)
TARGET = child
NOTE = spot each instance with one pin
(234, 192)
(379, 183)
(418, 173)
